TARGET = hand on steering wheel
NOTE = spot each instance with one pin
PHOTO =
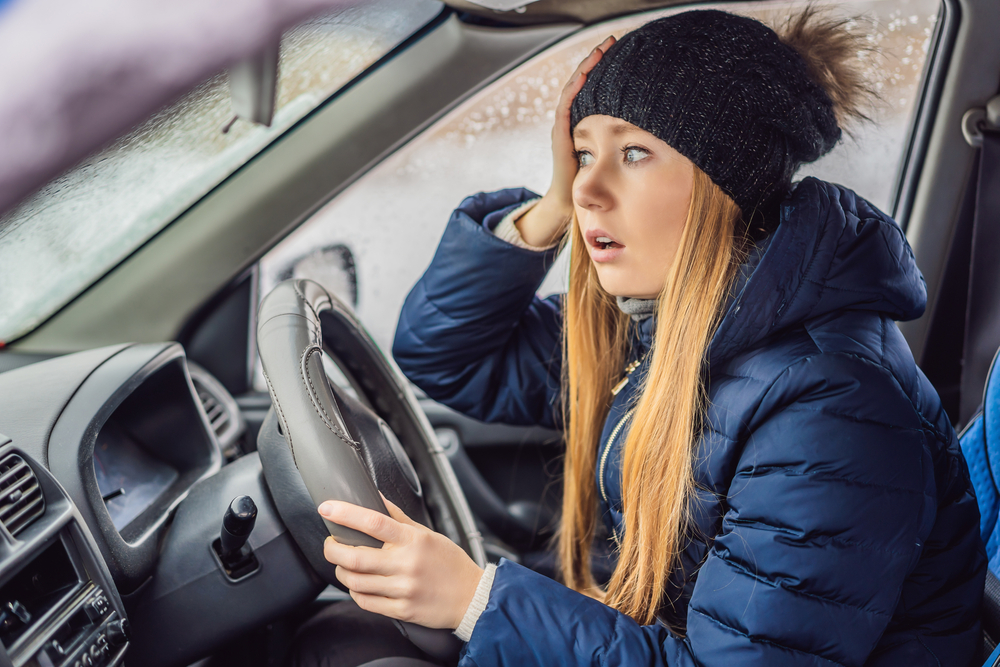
(417, 575)
(319, 443)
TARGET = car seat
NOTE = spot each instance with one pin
(980, 441)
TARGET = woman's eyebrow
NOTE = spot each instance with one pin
(616, 129)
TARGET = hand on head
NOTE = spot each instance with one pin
(548, 219)
(418, 575)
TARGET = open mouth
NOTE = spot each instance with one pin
(601, 246)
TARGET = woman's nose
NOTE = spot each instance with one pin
(592, 187)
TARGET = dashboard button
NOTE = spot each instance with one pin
(96, 608)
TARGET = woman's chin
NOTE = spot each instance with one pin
(622, 283)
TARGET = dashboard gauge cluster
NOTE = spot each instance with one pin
(129, 477)
(152, 447)
(129, 446)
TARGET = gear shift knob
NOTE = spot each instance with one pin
(237, 525)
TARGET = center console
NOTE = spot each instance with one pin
(58, 605)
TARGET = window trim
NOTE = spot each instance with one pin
(928, 103)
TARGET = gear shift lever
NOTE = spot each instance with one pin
(237, 559)
(237, 525)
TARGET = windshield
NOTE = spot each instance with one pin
(72, 231)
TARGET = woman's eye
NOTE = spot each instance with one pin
(633, 154)
(583, 158)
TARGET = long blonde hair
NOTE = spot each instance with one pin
(658, 454)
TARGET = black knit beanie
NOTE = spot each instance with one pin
(723, 91)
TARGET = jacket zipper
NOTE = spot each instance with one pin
(607, 450)
(624, 381)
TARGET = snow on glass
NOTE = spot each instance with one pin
(84, 222)
(392, 218)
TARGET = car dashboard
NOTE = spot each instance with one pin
(112, 490)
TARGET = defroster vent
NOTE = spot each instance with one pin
(21, 500)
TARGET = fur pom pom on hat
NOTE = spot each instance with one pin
(725, 92)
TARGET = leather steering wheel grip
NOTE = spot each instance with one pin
(290, 344)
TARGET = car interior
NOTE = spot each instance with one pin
(155, 512)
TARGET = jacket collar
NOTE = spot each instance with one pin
(831, 250)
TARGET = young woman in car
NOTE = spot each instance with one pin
(780, 481)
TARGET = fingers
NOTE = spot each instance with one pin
(356, 559)
(579, 75)
(593, 57)
(377, 604)
(397, 513)
(370, 584)
(362, 519)
(562, 143)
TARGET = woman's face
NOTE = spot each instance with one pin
(631, 194)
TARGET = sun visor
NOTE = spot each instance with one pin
(528, 12)
(502, 5)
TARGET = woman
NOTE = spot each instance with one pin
(780, 480)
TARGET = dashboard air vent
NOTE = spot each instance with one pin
(21, 500)
(217, 415)
(220, 407)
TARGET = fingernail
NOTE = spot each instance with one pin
(326, 508)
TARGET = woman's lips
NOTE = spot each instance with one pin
(602, 246)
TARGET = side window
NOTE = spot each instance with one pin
(371, 243)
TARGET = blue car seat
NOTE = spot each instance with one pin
(981, 445)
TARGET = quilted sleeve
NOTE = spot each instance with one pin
(472, 332)
(832, 498)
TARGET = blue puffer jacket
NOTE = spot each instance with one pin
(839, 523)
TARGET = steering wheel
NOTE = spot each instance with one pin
(319, 442)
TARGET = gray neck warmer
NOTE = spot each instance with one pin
(637, 309)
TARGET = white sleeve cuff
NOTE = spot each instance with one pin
(478, 604)
(509, 232)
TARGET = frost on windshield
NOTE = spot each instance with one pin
(87, 220)
(392, 219)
